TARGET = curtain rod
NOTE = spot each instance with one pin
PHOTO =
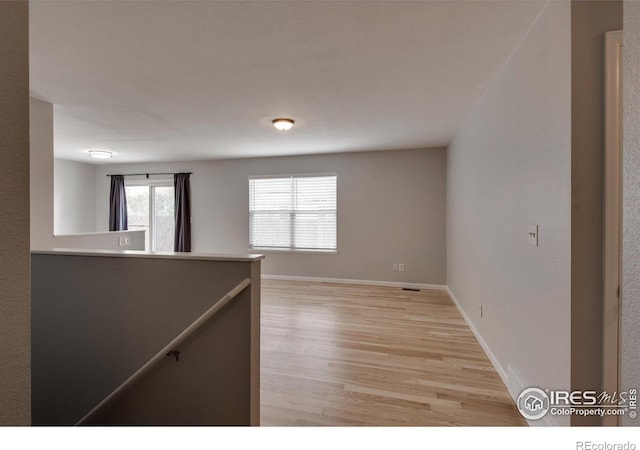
(147, 174)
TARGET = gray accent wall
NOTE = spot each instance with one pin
(74, 197)
(391, 208)
(14, 219)
(509, 166)
(126, 308)
(630, 331)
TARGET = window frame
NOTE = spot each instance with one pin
(292, 249)
(151, 184)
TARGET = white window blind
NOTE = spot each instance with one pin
(294, 212)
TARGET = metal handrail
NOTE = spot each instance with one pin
(168, 349)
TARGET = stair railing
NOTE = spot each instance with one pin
(168, 349)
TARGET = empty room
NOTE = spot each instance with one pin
(321, 213)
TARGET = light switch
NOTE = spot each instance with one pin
(533, 235)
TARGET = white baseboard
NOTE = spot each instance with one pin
(513, 384)
(501, 372)
(399, 284)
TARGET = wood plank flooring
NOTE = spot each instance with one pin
(335, 354)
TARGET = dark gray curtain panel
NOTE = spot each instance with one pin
(182, 241)
(117, 204)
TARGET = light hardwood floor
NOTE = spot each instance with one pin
(335, 354)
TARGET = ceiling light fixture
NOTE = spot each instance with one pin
(283, 124)
(100, 154)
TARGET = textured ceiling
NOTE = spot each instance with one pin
(161, 81)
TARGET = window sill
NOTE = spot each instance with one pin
(295, 251)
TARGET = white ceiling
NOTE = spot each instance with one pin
(177, 80)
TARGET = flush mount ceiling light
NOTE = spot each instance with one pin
(283, 124)
(100, 154)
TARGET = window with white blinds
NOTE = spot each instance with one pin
(294, 212)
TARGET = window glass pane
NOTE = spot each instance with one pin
(138, 209)
(270, 194)
(315, 193)
(270, 230)
(315, 230)
(164, 221)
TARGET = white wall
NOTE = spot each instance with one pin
(74, 195)
(391, 208)
(509, 167)
(630, 334)
(108, 240)
(74, 189)
(41, 173)
(15, 359)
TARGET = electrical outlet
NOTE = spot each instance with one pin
(480, 310)
(124, 241)
(395, 266)
(401, 267)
